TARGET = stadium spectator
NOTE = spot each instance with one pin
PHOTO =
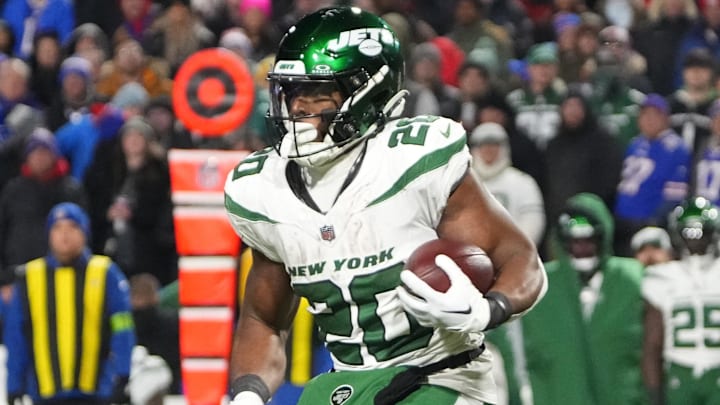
(143, 238)
(516, 191)
(159, 114)
(27, 18)
(428, 94)
(255, 17)
(705, 34)
(18, 115)
(76, 93)
(689, 104)
(27, 199)
(524, 153)
(44, 63)
(707, 168)
(570, 61)
(176, 34)
(131, 64)
(581, 146)
(658, 40)
(655, 174)
(616, 85)
(7, 39)
(129, 102)
(472, 29)
(651, 245)
(475, 85)
(86, 37)
(537, 103)
(137, 16)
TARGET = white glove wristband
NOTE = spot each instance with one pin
(462, 308)
(247, 398)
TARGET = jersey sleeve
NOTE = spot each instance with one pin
(655, 282)
(429, 152)
(254, 227)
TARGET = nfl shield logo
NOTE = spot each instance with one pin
(327, 233)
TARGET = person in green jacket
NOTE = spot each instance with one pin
(583, 342)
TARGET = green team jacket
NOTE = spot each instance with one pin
(594, 362)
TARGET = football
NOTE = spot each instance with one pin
(472, 259)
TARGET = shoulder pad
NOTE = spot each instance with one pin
(426, 130)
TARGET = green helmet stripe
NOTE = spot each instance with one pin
(427, 163)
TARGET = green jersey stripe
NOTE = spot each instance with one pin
(239, 210)
(425, 164)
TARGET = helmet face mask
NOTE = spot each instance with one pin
(694, 226)
(343, 50)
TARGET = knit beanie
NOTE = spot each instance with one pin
(41, 138)
(76, 65)
(71, 211)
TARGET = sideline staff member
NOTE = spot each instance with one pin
(69, 328)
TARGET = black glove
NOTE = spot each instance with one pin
(118, 395)
(14, 399)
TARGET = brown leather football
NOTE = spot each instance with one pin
(472, 259)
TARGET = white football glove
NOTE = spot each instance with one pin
(247, 398)
(462, 308)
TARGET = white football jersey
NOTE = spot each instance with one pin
(689, 298)
(347, 261)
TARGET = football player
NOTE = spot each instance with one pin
(333, 210)
(592, 356)
(681, 359)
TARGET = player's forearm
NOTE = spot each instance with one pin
(522, 280)
(259, 350)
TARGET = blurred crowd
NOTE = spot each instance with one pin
(618, 98)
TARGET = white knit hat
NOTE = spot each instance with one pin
(650, 235)
(488, 132)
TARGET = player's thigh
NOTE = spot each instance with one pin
(361, 388)
(681, 387)
(711, 386)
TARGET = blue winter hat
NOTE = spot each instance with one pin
(41, 138)
(76, 65)
(656, 101)
(71, 211)
(563, 21)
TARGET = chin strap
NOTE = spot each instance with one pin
(395, 106)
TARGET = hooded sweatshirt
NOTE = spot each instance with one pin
(591, 359)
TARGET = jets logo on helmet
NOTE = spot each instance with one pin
(362, 36)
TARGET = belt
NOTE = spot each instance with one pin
(408, 381)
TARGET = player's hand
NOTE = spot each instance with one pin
(462, 308)
(247, 398)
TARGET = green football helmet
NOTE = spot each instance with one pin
(577, 225)
(342, 49)
(693, 226)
